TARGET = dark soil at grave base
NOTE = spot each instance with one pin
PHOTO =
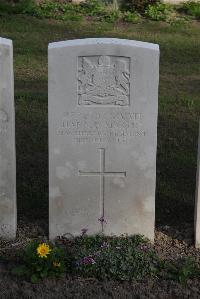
(169, 244)
(78, 288)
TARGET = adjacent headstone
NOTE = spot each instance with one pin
(197, 208)
(77, 1)
(7, 143)
(103, 97)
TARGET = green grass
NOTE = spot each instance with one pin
(179, 107)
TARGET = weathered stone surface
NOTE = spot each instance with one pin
(7, 143)
(102, 136)
(197, 206)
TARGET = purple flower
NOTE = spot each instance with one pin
(104, 245)
(102, 220)
(87, 260)
(84, 231)
(143, 247)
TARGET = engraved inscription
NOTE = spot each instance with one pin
(104, 80)
(102, 173)
(109, 127)
(3, 122)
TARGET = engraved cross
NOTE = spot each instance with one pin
(102, 174)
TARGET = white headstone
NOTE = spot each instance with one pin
(7, 143)
(103, 97)
(197, 208)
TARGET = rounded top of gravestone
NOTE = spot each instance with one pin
(104, 41)
(5, 41)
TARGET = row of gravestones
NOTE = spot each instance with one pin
(103, 97)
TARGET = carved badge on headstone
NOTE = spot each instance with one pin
(103, 80)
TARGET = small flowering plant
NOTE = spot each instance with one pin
(41, 260)
(121, 258)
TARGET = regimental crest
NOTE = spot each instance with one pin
(104, 80)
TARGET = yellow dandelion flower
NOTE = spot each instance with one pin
(43, 250)
(56, 264)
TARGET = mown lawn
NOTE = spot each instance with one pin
(179, 107)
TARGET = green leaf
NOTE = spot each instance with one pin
(34, 278)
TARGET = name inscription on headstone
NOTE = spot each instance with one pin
(109, 127)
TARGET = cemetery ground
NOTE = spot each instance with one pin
(179, 108)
